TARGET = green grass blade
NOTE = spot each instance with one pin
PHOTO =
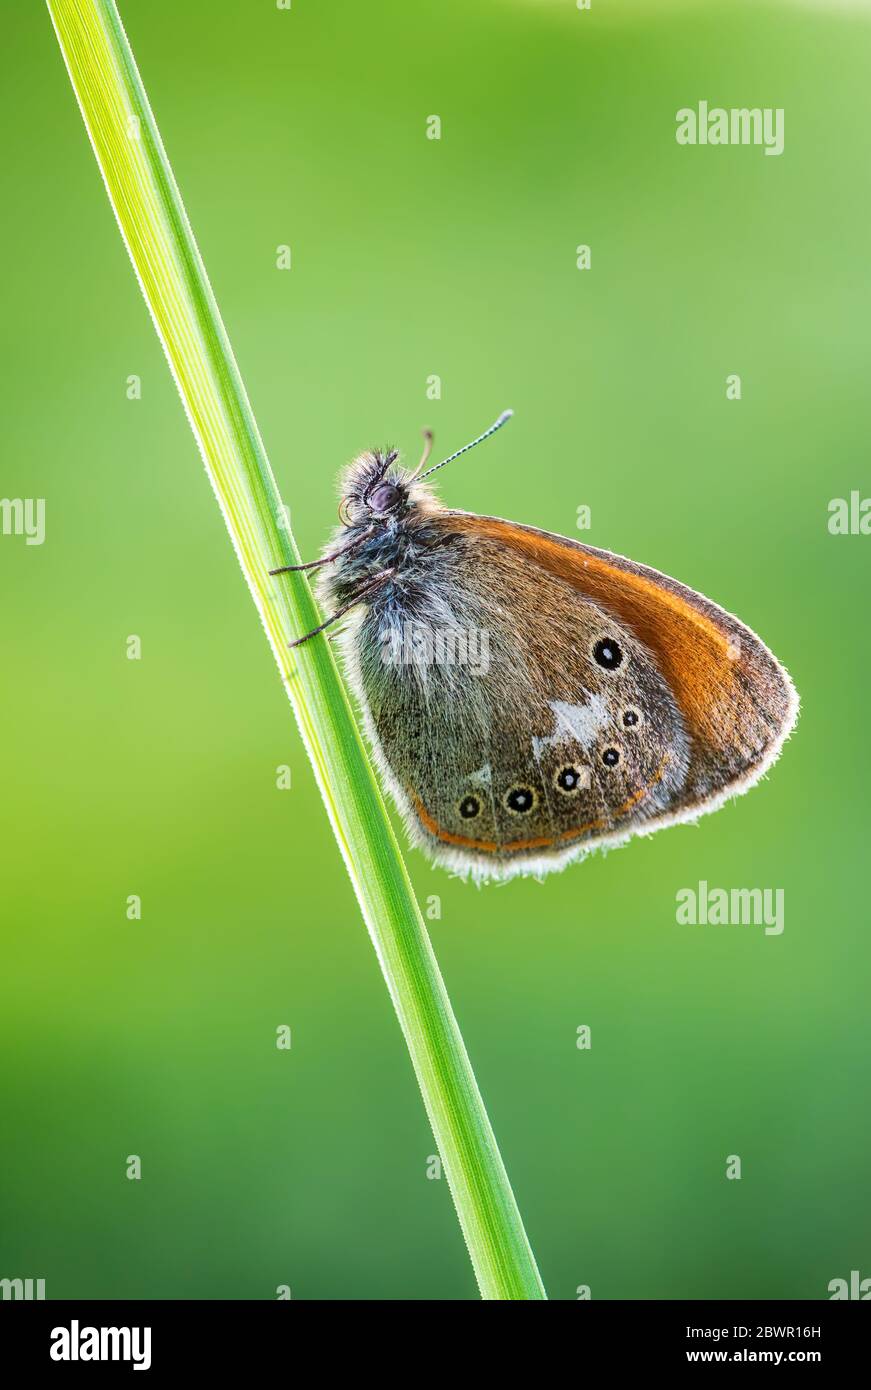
(155, 229)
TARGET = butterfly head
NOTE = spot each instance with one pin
(376, 493)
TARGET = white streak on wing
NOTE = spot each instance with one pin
(579, 722)
(482, 777)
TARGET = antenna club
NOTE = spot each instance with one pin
(497, 424)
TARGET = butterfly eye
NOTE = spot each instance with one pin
(520, 800)
(384, 498)
(571, 779)
(631, 718)
(470, 807)
(608, 653)
(611, 757)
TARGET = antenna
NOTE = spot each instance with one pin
(497, 425)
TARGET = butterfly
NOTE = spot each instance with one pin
(529, 698)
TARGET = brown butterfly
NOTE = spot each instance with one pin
(528, 698)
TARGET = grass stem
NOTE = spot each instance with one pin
(158, 236)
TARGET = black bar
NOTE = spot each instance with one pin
(223, 1338)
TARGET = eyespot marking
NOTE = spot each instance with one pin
(608, 653)
(469, 807)
(571, 779)
(611, 756)
(540, 842)
(520, 800)
(631, 718)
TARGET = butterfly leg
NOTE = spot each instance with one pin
(371, 583)
(326, 559)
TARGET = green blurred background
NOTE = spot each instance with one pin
(157, 777)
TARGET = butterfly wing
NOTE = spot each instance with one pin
(737, 701)
(526, 698)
